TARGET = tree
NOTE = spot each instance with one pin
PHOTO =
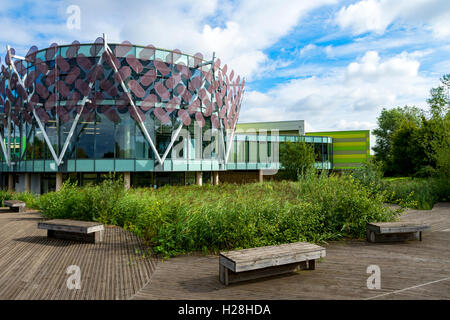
(388, 122)
(413, 142)
(439, 126)
(407, 154)
(296, 159)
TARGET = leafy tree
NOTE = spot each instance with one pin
(297, 159)
(413, 142)
(388, 122)
(407, 154)
(439, 125)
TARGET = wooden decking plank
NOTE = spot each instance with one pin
(33, 268)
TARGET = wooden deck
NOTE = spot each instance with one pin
(34, 267)
(340, 275)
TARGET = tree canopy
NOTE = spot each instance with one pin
(297, 159)
(415, 142)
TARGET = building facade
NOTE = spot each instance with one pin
(153, 115)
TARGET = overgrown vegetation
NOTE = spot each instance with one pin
(414, 144)
(29, 198)
(176, 220)
(419, 193)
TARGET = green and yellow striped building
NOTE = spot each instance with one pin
(350, 148)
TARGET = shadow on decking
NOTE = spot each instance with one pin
(43, 240)
(211, 283)
(37, 219)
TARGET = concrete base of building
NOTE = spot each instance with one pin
(198, 178)
(127, 180)
(215, 178)
(58, 181)
(11, 183)
(27, 182)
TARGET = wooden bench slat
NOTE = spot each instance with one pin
(15, 205)
(396, 227)
(263, 257)
(71, 225)
(267, 250)
(73, 230)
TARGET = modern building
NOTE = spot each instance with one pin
(156, 116)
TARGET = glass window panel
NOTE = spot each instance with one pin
(104, 137)
(85, 140)
(38, 144)
(125, 137)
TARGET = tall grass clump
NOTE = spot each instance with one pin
(174, 220)
(211, 218)
(424, 193)
(92, 202)
(29, 198)
(418, 193)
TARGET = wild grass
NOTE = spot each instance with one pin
(174, 220)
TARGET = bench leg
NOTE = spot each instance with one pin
(98, 236)
(420, 235)
(223, 274)
(311, 264)
(303, 265)
(370, 235)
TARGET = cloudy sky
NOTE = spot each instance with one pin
(332, 63)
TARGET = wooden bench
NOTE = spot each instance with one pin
(395, 231)
(15, 205)
(73, 230)
(247, 264)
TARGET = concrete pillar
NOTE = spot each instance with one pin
(27, 182)
(58, 181)
(198, 178)
(127, 180)
(261, 176)
(11, 182)
(215, 178)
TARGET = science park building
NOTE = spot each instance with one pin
(155, 116)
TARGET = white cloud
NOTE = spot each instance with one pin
(238, 32)
(376, 16)
(367, 15)
(370, 68)
(344, 98)
(308, 48)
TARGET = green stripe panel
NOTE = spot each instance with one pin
(349, 160)
(348, 152)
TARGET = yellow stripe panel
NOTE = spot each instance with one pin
(348, 144)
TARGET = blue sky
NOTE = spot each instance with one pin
(332, 63)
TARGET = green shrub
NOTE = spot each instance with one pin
(5, 195)
(418, 193)
(28, 198)
(174, 220)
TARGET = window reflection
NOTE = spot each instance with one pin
(124, 137)
(85, 140)
(104, 136)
